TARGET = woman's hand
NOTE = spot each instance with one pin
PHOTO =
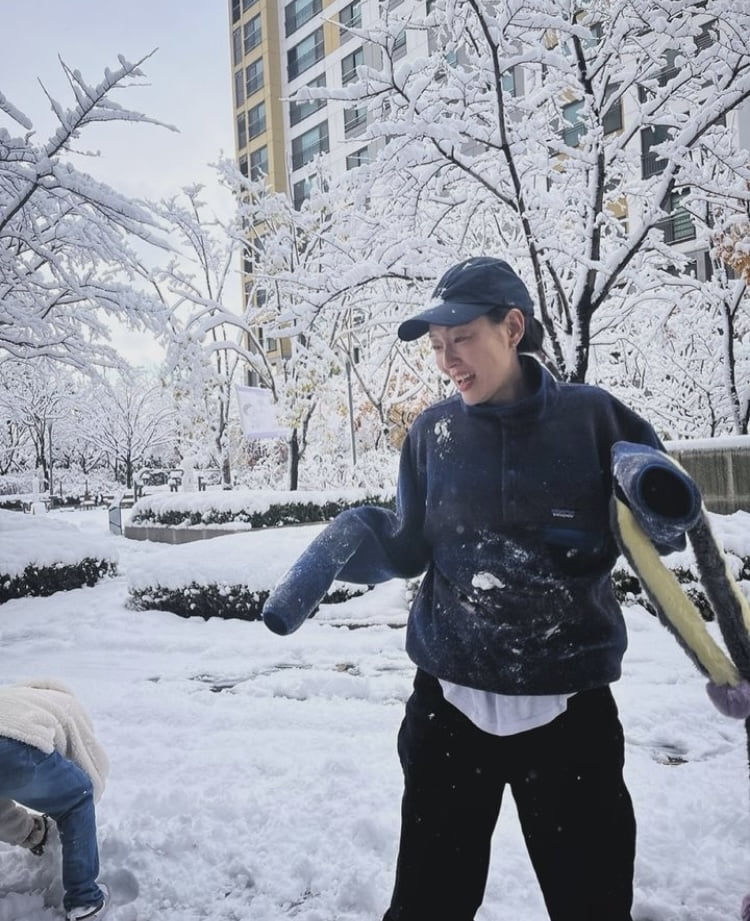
(731, 700)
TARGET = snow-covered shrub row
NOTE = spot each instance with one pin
(60, 577)
(224, 577)
(41, 555)
(261, 508)
(222, 600)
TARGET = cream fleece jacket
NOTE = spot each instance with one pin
(45, 714)
(16, 823)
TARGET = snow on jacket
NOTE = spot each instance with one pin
(507, 508)
(45, 714)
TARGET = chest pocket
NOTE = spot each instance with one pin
(578, 551)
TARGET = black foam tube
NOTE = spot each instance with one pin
(662, 496)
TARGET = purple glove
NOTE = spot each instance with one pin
(731, 701)
(746, 908)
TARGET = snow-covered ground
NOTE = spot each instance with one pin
(255, 777)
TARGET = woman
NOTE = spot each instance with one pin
(503, 498)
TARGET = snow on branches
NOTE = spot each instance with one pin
(66, 259)
(592, 145)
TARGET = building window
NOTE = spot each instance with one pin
(308, 52)
(236, 46)
(651, 163)
(508, 82)
(259, 163)
(301, 192)
(708, 35)
(256, 120)
(355, 120)
(612, 118)
(243, 165)
(298, 12)
(307, 146)
(252, 34)
(246, 4)
(350, 17)
(239, 89)
(358, 158)
(254, 77)
(399, 45)
(679, 225)
(301, 110)
(670, 70)
(700, 265)
(241, 130)
(574, 129)
(349, 65)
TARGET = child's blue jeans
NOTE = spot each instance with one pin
(57, 786)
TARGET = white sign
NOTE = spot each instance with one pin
(258, 413)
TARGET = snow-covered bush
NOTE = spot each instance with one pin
(250, 508)
(221, 600)
(59, 577)
(225, 577)
(40, 556)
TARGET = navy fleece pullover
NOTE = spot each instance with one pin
(507, 508)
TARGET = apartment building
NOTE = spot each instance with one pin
(277, 48)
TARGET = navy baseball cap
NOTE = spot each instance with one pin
(467, 291)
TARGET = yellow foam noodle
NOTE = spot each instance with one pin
(663, 588)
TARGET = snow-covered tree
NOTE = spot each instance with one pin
(579, 140)
(129, 420)
(205, 334)
(732, 248)
(16, 448)
(36, 402)
(319, 339)
(66, 261)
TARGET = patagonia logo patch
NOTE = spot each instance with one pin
(566, 513)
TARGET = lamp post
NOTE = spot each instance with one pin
(49, 462)
(351, 408)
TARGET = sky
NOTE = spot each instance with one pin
(189, 77)
(254, 777)
(189, 86)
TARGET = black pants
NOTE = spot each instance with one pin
(566, 778)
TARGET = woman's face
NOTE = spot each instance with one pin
(480, 358)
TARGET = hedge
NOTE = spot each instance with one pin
(59, 577)
(277, 514)
(225, 601)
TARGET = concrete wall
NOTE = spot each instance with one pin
(721, 468)
(167, 535)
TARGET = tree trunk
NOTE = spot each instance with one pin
(293, 461)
